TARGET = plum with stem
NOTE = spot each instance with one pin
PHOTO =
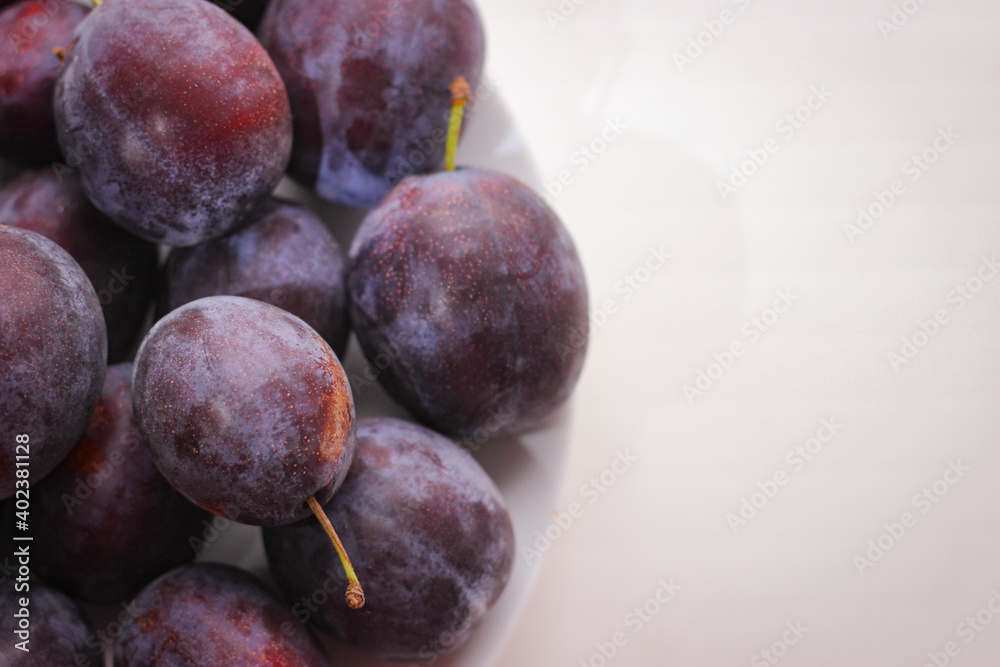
(426, 527)
(247, 411)
(368, 84)
(473, 279)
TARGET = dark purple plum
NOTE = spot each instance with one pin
(175, 115)
(122, 267)
(31, 30)
(246, 409)
(428, 533)
(477, 285)
(286, 256)
(213, 615)
(7, 171)
(60, 633)
(53, 347)
(105, 521)
(247, 12)
(368, 84)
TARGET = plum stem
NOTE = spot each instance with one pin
(355, 596)
(460, 94)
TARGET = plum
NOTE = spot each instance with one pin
(247, 12)
(53, 347)
(426, 527)
(246, 409)
(476, 284)
(286, 256)
(60, 633)
(175, 115)
(32, 30)
(122, 267)
(213, 615)
(368, 84)
(106, 522)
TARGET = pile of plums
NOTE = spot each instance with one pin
(146, 139)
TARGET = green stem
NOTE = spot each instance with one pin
(460, 94)
(355, 596)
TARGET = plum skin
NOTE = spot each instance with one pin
(247, 411)
(476, 283)
(429, 536)
(122, 267)
(31, 30)
(175, 115)
(368, 84)
(247, 12)
(53, 347)
(213, 615)
(97, 545)
(285, 256)
(61, 634)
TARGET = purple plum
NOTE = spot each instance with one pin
(286, 256)
(428, 532)
(368, 84)
(213, 615)
(476, 284)
(58, 633)
(122, 267)
(53, 351)
(31, 30)
(105, 521)
(246, 409)
(175, 115)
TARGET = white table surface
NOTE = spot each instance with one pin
(899, 425)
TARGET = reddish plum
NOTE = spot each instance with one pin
(368, 83)
(429, 533)
(213, 615)
(106, 522)
(31, 30)
(122, 267)
(53, 347)
(247, 411)
(175, 115)
(286, 256)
